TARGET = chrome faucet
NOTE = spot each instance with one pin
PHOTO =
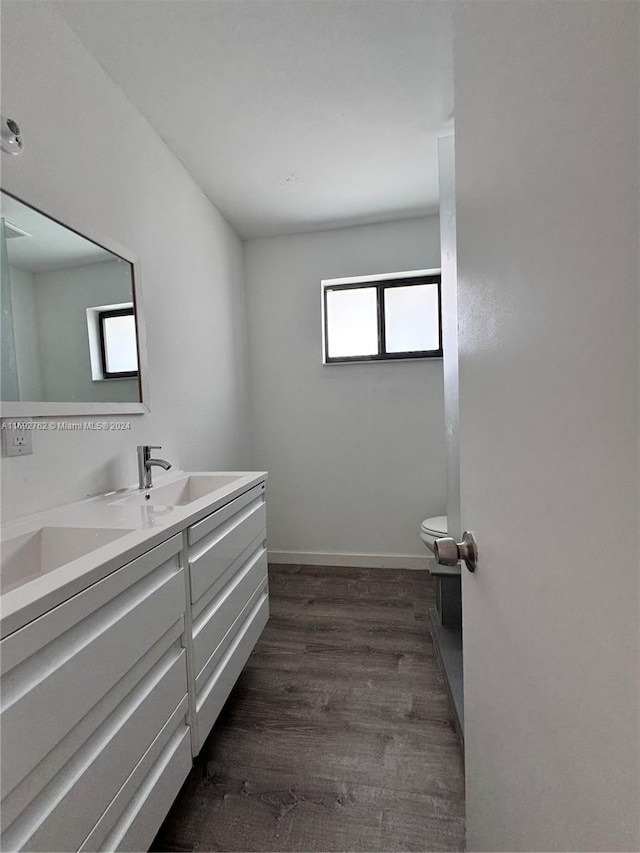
(145, 463)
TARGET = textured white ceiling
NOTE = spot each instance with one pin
(291, 114)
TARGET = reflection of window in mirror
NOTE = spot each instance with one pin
(113, 346)
(118, 351)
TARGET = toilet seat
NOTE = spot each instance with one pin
(435, 526)
(432, 529)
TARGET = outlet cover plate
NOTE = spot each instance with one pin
(17, 437)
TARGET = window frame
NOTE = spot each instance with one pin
(102, 316)
(380, 284)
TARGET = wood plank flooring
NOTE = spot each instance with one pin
(338, 735)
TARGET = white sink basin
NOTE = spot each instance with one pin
(27, 557)
(189, 489)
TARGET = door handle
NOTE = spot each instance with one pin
(448, 552)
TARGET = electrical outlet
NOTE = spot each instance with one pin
(16, 437)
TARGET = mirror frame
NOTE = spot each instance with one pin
(35, 409)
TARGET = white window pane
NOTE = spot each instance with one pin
(411, 318)
(120, 344)
(352, 322)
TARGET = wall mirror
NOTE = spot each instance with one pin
(72, 336)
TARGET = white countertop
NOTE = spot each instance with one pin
(127, 509)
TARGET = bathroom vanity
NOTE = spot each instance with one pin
(126, 620)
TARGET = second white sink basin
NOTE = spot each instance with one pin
(189, 489)
(27, 557)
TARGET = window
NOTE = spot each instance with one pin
(382, 318)
(118, 349)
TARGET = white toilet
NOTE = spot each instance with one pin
(432, 529)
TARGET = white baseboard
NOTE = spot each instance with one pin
(358, 561)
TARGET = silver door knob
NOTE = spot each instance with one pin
(448, 552)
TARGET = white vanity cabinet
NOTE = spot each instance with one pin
(107, 695)
(227, 578)
(94, 694)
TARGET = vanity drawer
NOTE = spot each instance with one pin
(70, 658)
(213, 690)
(62, 816)
(134, 816)
(211, 626)
(218, 540)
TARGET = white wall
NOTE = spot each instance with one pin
(547, 180)
(355, 451)
(92, 161)
(25, 330)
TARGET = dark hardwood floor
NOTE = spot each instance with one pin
(338, 735)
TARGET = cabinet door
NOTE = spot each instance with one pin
(227, 561)
(85, 686)
(97, 771)
(219, 617)
(217, 541)
(214, 688)
(136, 813)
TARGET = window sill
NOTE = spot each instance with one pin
(115, 378)
(382, 360)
